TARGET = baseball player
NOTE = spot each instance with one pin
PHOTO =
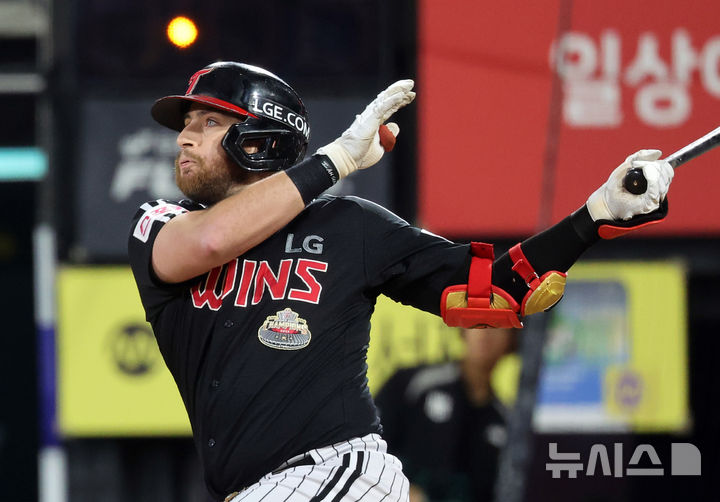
(260, 289)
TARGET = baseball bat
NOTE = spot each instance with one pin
(635, 181)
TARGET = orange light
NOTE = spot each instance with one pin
(182, 32)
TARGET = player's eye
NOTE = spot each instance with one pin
(210, 122)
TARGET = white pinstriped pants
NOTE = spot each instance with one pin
(356, 470)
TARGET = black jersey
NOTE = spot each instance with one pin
(449, 447)
(269, 350)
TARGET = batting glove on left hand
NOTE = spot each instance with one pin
(612, 202)
(359, 146)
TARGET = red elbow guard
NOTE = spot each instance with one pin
(479, 304)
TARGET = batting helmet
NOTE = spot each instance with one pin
(269, 109)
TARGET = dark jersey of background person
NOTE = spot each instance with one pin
(269, 350)
(449, 447)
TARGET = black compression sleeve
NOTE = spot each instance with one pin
(555, 248)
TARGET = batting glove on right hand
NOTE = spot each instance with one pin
(616, 211)
(359, 146)
(612, 202)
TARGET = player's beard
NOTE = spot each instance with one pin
(209, 183)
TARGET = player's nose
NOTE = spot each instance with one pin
(189, 136)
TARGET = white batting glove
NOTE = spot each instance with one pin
(612, 202)
(359, 146)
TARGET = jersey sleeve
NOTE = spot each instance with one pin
(409, 264)
(146, 224)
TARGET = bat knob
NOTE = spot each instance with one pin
(635, 181)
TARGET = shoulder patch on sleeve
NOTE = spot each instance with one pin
(159, 210)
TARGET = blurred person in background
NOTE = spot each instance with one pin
(445, 422)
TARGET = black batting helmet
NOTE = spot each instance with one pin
(270, 110)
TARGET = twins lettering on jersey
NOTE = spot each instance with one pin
(254, 280)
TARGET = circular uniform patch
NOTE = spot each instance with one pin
(285, 331)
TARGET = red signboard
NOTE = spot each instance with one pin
(498, 155)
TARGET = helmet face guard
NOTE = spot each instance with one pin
(277, 149)
(273, 118)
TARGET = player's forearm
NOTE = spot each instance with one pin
(196, 242)
(556, 248)
(245, 219)
(529, 278)
(248, 217)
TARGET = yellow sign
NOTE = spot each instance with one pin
(112, 379)
(649, 389)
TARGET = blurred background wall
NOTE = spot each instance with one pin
(522, 111)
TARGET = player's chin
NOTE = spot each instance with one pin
(204, 191)
(183, 179)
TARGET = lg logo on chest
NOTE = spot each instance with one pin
(253, 280)
(311, 244)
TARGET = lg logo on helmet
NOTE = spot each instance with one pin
(274, 111)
